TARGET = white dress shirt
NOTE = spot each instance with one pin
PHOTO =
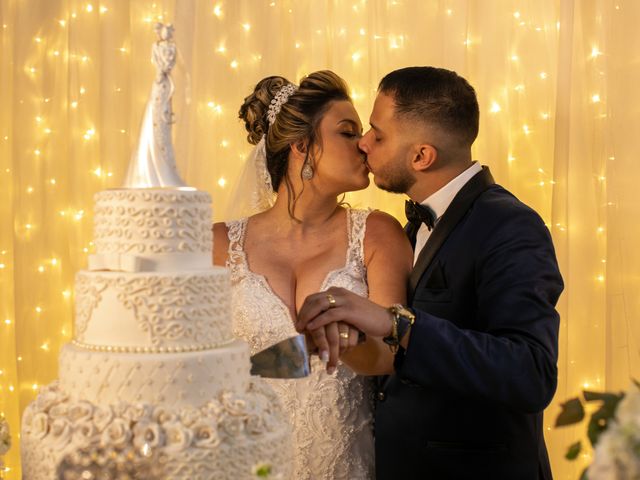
(440, 201)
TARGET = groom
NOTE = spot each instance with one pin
(477, 344)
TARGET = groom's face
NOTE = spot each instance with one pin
(387, 147)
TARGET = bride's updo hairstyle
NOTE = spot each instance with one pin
(298, 119)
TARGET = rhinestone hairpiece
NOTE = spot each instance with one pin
(279, 100)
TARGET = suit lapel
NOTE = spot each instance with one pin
(451, 217)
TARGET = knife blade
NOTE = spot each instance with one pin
(288, 358)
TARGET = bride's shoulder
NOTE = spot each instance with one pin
(384, 231)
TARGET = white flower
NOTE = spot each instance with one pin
(60, 432)
(178, 437)
(116, 434)
(39, 426)
(85, 433)
(162, 415)
(234, 406)
(5, 436)
(137, 413)
(147, 433)
(232, 425)
(47, 398)
(255, 424)
(206, 434)
(59, 411)
(628, 411)
(80, 411)
(102, 416)
(189, 416)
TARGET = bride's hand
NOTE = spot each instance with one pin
(333, 340)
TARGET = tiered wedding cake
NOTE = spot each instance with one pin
(153, 369)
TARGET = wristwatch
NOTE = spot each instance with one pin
(402, 319)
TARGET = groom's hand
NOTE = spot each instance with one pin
(357, 311)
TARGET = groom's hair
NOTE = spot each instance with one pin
(435, 96)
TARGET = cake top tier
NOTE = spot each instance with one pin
(152, 230)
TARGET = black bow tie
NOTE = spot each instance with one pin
(418, 214)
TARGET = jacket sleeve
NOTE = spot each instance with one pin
(513, 360)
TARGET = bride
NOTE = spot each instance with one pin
(305, 240)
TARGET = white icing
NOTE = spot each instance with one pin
(170, 379)
(153, 309)
(147, 222)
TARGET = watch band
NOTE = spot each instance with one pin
(402, 320)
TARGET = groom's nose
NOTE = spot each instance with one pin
(363, 144)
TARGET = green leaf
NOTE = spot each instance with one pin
(600, 419)
(584, 476)
(573, 451)
(602, 396)
(572, 412)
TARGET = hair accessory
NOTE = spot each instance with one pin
(280, 99)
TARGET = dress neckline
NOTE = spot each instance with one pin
(264, 281)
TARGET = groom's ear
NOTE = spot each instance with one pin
(424, 156)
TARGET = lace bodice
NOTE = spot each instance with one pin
(331, 414)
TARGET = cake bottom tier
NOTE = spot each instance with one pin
(227, 437)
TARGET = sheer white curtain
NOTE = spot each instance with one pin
(557, 84)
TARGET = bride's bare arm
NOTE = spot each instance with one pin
(389, 259)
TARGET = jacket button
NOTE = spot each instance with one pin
(381, 396)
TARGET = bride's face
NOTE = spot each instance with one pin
(339, 163)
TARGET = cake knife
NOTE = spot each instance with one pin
(288, 358)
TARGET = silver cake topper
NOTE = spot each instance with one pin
(153, 164)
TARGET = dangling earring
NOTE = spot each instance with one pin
(307, 171)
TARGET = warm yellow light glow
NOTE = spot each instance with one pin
(78, 215)
(89, 133)
(37, 152)
(221, 48)
(29, 189)
(62, 23)
(363, 31)
(217, 11)
(222, 181)
(11, 389)
(234, 64)
(66, 294)
(38, 310)
(74, 104)
(595, 98)
(544, 115)
(511, 158)
(525, 129)
(543, 75)
(97, 172)
(34, 386)
(41, 269)
(600, 278)
(516, 14)
(449, 12)
(356, 56)
(2, 265)
(47, 131)
(495, 108)
(82, 90)
(595, 52)
(297, 45)
(514, 58)
(246, 27)
(89, 8)
(28, 226)
(600, 229)
(103, 9)
(54, 261)
(215, 107)
(45, 347)
(519, 88)
(224, 143)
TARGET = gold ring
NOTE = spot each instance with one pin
(344, 335)
(332, 301)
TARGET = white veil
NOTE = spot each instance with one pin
(253, 192)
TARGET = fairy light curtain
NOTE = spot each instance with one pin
(556, 84)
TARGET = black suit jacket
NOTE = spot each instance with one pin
(467, 397)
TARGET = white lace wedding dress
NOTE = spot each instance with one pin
(331, 414)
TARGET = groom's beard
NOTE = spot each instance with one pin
(394, 177)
